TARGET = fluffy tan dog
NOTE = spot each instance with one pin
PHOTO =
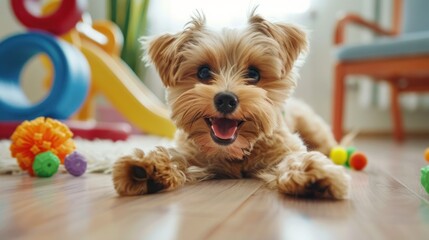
(229, 93)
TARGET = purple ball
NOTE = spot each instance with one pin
(75, 164)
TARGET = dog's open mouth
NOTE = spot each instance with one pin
(223, 130)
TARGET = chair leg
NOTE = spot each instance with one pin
(398, 130)
(338, 103)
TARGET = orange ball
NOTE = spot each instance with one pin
(40, 135)
(358, 161)
(427, 154)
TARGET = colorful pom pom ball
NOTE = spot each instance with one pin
(350, 151)
(427, 154)
(338, 155)
(75, 164)
(46, 164)
(358, 161)
(37, 136)
(424, 178)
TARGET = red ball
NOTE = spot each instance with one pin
(358, 161)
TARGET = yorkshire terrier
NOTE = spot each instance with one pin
(229, 94)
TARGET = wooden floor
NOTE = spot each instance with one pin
(387, 202)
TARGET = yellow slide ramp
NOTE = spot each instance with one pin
(124, 90)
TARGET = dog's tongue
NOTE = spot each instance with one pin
(224, 128)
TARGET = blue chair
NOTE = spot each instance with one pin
(400, 57)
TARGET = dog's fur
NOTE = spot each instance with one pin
(279, 139)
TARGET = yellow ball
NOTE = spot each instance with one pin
(338, 155)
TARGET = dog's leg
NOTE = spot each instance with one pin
(161, 169)
(307, 174)
(315, 132)
(312, 174)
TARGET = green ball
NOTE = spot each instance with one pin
(424, 178)
(350, 151)
(338, 155)
(46, 164)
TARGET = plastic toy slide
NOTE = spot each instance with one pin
(116, 81)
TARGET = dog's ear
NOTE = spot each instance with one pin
(165, 51)
(292, 40)
(162, 52)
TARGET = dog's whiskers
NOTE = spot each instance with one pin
(195, 117)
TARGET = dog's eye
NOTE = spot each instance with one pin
(253, 75)
(204, 73)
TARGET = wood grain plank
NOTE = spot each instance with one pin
(379, 208)
(386, 202)
(401, 161)
(62, 206)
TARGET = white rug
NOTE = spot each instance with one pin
(100, 154)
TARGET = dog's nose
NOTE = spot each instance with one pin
(226, 102)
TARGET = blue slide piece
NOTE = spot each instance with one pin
(70, 84)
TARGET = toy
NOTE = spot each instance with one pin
(88, 130)
(126, 93)
(426, 154)
(102, 130)
(348, 157)
(358, 161)
(37, 136)
(59, 22)
(101, 43)
(46, 164)
(70, 85)
(75, 164)
(117, 82)
(110, 75)
(350, 151)
(424, 178)
(338, 155)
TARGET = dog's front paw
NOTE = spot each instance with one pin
(312, 174)
(139, 174)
